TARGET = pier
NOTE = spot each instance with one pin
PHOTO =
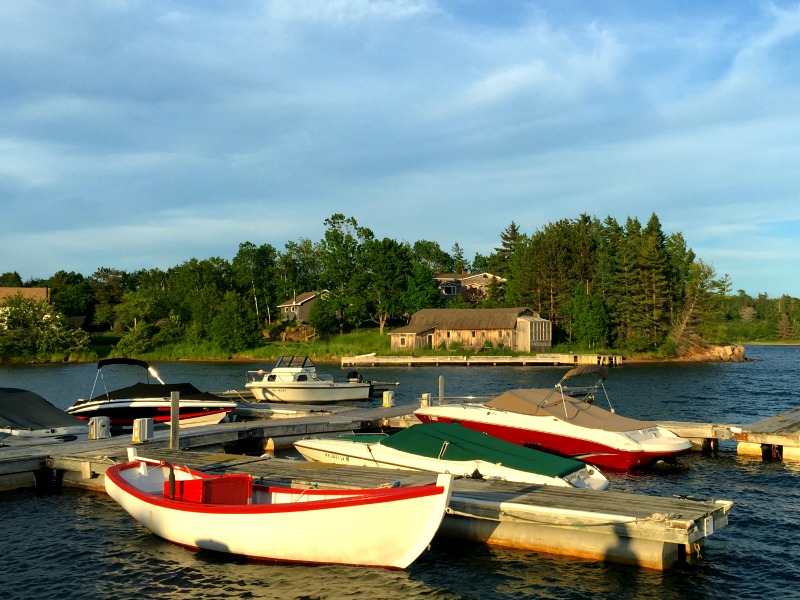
(373, 360)
(635, 529)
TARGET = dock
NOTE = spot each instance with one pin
(635, 529)
(373, 360)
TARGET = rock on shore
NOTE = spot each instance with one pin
(716, 353)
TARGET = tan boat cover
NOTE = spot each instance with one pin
(532, 402)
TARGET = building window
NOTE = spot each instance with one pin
(402, 340)
(473, 334)
(449, 290)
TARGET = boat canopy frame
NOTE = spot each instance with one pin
(150, 370)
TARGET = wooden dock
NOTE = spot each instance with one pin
(635, 529)
(373, 360)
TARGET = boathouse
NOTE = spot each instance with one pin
(518, 329)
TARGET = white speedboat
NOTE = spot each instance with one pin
(295, 379)
(448, 448)
(383, 527)
(145, 400)
(567, 422)
(27, 418)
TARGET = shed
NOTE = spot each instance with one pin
(519, 329)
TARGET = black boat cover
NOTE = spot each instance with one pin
(157, 390)
(22, 409)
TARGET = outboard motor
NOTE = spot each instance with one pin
(354, 377)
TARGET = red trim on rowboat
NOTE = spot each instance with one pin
(351, 497)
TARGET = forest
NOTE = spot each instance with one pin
(606, 286)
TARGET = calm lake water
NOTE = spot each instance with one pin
(81, 545)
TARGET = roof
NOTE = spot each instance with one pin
(411, 328)
(36, 293)
(469, 318)
(299, 299)
(466, 278)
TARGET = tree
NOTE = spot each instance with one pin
(10, 280)
(460, 264)
(234, 327)
(31, 328)
(436, 259)
(421, 289)
(654, 282)
(298, 269)
(389, 265)
(253, 273)
(588, 317)
(71, 293)
(344, 269)
(510, 239)
(703, 294)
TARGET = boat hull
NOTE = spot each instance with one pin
(308, 392)
(600, 448)
(331, 450)
(382, 528)
(125, 412)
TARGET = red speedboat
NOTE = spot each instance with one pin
(567, 422)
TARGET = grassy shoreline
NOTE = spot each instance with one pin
(329, 350)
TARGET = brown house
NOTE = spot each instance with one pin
(297, 308)
(33, 293)
(519, 329)
(472, 287)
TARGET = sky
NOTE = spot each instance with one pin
(137, 134)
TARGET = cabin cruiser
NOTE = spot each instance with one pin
(295, 379)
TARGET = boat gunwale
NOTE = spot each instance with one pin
(351, 497)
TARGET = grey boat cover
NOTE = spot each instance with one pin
(22, 409)
(549, 402)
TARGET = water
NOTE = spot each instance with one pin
(81, 545)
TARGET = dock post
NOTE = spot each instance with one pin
(174, 418)
(441, 389)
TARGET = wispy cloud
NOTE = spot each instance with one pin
(137, 134)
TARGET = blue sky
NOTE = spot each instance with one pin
(138, 134)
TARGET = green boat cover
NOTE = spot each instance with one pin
(463, 444)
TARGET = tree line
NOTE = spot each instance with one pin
(604, 285)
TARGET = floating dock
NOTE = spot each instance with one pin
(635, 529)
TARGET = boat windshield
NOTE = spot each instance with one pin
(294, 362)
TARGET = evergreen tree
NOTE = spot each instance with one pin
(510, 239)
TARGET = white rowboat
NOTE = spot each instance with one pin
(382, 527)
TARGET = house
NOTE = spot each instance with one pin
(297, 308)
(472, 287)
(33, 293)
(518, 329)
